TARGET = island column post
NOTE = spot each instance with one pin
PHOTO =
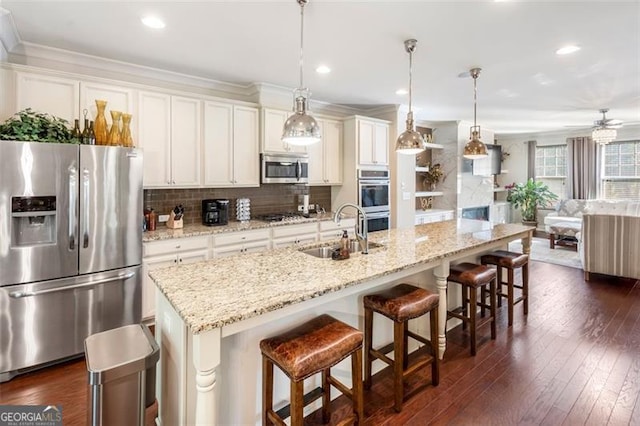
(206, 358)
(441, 273)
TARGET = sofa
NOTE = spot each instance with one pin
(607, 233)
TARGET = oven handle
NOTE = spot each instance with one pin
(298, 170)
(380, 215)
(21, 294)
(374, 182)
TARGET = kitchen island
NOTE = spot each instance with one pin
(210, 315)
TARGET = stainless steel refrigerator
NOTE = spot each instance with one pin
(70, 248)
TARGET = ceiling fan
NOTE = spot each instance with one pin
(604, 131)
(607, 123)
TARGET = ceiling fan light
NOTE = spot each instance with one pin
(603, 135)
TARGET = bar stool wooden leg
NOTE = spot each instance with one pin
(472, 320)
(510, 295)
(525, 288)
(499, 285)
(405, 344)
(435, 366)
(368, 345)
(465, 304)
(326, 396)
(492, 297)
(357, 393)
(267, 389)
(398, 363)
(297, 403)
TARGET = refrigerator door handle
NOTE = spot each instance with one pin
(85, 222)
(73, 202)
(21, 294)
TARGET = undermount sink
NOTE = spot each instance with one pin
(326, 251)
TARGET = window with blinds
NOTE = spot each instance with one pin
(621, 171)
(551, 167)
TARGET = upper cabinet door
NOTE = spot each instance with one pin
(381, 147)
(218, 144)
(366, 135)
(332, 141)
(273, 123)
(246, 155)
(185, 141)
(53, 95)
(154, 129)
(118, 99)
(317, 158)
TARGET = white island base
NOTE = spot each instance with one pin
(213, 377)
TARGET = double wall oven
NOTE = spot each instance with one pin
(373, 197)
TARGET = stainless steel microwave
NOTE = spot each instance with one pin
(284, 168)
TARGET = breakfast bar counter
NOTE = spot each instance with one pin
(207, 312)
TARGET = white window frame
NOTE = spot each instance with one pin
(603, 167)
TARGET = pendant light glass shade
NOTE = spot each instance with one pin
(301, 128)
(410, 142)
(474, 149)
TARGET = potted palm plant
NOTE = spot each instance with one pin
(528, 197)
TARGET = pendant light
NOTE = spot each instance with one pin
(475, 149)
(410, 142)
(301, 128)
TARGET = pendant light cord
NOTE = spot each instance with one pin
(410, 77)
(475, 98)
(301, 43)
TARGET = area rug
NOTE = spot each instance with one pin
(541, 252)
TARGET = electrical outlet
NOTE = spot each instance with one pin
(300, 208)
(163, 218)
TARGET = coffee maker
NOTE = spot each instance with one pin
(215, 212)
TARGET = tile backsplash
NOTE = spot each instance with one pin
(266, 199)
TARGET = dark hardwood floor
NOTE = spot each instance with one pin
(575, 359)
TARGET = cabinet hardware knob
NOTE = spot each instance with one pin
(180, 260)
(173, 182)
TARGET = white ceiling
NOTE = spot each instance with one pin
(524, 85)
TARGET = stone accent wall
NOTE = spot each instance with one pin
(270, 198)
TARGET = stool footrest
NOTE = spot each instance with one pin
(379, 354)
(308, 398)
(427, 360)
(340, 386)
(418, 338)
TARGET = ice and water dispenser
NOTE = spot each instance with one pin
(33, 221)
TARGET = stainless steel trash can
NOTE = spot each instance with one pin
(121, 365)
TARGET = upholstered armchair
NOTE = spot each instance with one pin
(610, 244)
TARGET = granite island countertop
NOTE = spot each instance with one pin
(196, 230)
(218, 292)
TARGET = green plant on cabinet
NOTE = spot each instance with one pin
(29, 125)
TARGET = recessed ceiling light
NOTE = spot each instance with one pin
(153, 22)
(401, 92)
(567, 49)
(323, 69)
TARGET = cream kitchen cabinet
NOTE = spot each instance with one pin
(329, 230)
(170, 135)
(233, 243)
(54, 95)
(293, 235)
(118, 99)
(161, 254)
(272, 125)
(325, 158)
(373, 142)
(68, 98)
(231, 154)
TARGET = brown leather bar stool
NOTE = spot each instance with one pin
(311, 348)
(510, 261)
(400, 304)
(471, 277)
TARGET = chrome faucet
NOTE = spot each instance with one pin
(363, 238)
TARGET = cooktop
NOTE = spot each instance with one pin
(279, 217)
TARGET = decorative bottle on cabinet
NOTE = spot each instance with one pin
(100, 128)
(114, 134)
(125, 137)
